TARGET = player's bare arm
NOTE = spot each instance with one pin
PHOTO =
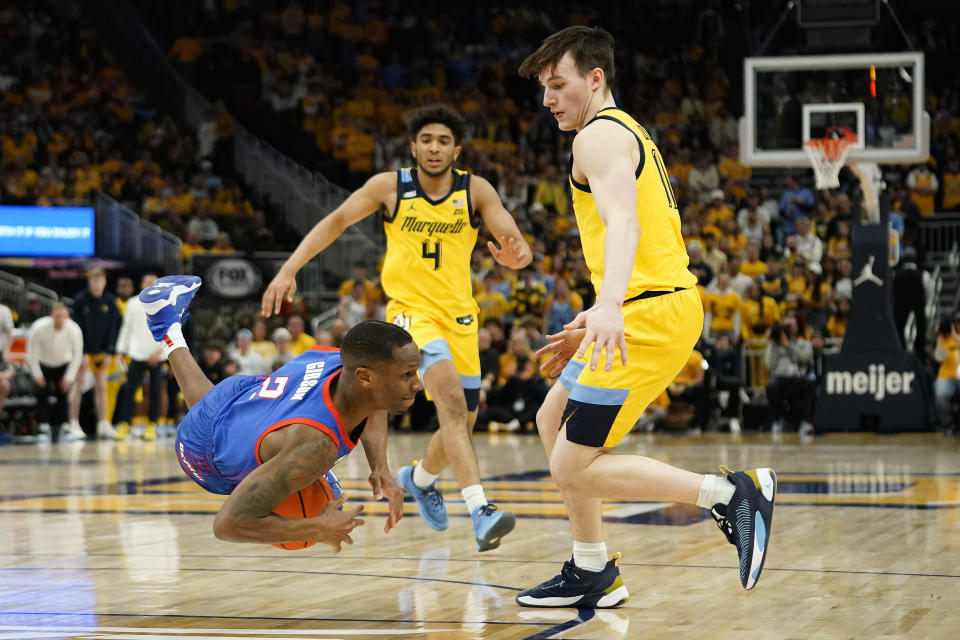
(379, 193)
(374, 441)
(607, 155)
(246, 516)
(513, 251)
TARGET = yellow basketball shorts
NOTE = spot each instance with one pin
(443, 337)
(660, 333)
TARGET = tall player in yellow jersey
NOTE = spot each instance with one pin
(647, 309)
(431, 215)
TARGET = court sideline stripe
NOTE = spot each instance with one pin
(484, 584)
(271, 618)
(298, 572)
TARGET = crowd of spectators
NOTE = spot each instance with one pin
(328, 82)
(73, 124)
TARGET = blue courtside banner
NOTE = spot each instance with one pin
(46, 231)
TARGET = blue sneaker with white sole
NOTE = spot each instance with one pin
(166, 300)
(490, 525)
(429, 501)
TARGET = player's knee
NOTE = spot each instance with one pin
(564, 473)
(547, 423)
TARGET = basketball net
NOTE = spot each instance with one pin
(828, 155)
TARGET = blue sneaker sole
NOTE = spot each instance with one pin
(500, 528)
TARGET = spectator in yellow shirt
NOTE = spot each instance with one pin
(492, 303)
(760, 312)
(839, 246)
(191, 246)
(371, 294)
(837, 324)
(299, 340)
(951, 187)
(723, 311)
(551, 191)
(947, 353)
(753, 266)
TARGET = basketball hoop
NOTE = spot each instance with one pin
(829, 154)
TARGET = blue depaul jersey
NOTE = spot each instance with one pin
(250, 407)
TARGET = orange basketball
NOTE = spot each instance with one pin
(305, 503)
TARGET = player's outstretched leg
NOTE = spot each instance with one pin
(165, 303)
(429, 501)
(166, 300)
(747, 519)
(576, 587)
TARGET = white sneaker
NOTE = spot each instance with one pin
(806, 429)
(73, 431)
(44, 427)
(513, 425)
(105, 430)
(735, 425)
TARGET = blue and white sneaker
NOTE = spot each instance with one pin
(335, 487)
(429, 501)
(166, 300)
(490, 525)
(334, 484)
(747, 519)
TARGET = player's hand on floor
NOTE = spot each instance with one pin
(334, 526)
(560, 347)
(283, 284)
(385, 486)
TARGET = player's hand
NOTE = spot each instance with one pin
(560, 347)
(511, 253)
(65, 385)
(283, 284)
(41, 382)
(334, 526)
(385, 486)
(604, 325)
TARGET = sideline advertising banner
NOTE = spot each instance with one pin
(46, 231)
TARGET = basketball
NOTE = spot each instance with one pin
(305, 503)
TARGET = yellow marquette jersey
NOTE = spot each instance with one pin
(661, 260)
(429, 243)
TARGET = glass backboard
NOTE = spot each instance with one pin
(791, 99)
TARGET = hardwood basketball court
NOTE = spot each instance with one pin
(110, 540)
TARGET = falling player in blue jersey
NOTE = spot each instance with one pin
(262, 439)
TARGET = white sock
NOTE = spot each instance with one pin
(473, 496)
(714, 490)
(423, 478)
(173, 339)
(590, 556)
